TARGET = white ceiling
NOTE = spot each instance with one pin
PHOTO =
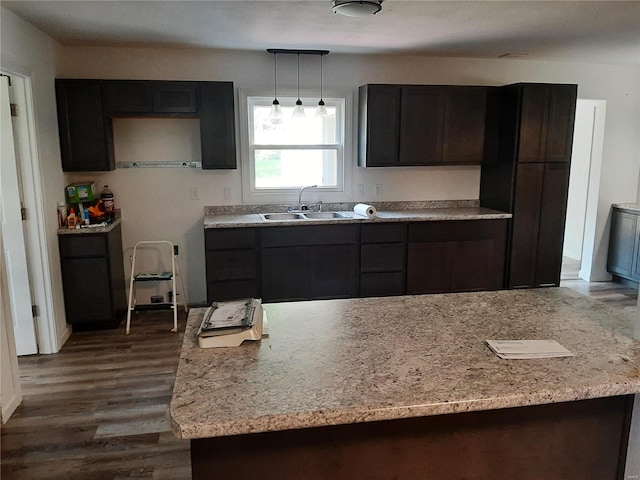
(578, 31)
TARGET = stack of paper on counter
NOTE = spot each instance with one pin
(524, 349)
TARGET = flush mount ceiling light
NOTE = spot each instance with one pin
(356, 8)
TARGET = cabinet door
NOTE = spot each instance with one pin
(174, 97)
(125, 96)
(379, 133)
(333, 271)
(635, 272)
(217, 125)
(525, 224)
(464, 125)
(623, 241)
(87, 291)
(86, 141)
(421, 124)
(285, 274)
(428, 267)
(553, 210)
(560, 123)
(533, 121)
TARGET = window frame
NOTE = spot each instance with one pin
(339, 193)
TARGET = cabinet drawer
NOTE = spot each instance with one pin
(387, 233)
(232, 289)
(381, 284)
(455, 230)
(303, 235)
(87, 245)
(382, 257)
(219, 239)
(231, 264)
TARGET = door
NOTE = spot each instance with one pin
(552, 218)
(13, 234)
(421, 114)
(380, 112)
(464, 125)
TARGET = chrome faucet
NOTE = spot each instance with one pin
(300, 195)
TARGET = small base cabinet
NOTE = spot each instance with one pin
(456, 256)
(623, 260)
(232, 263)
(93, 279)
(383, 259)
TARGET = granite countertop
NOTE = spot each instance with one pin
(366, 359)
(89, 230)
(230, 220)
(631, 207)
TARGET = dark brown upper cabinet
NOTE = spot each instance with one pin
(86, 109)
(126, 97)
(402, 125)
(86, 136)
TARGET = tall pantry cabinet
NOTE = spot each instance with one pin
(529, 177)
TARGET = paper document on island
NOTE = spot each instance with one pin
(525, 349)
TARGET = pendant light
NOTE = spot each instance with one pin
(276, 111)
(298, 110)
(321, 111)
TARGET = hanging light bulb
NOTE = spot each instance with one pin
(321, 111)
(276, 111)
(298, 110)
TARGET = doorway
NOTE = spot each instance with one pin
(25, 248)
(584, 187)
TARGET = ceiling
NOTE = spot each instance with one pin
(577, 31)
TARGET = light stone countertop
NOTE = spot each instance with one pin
(411, 215)
(632, 207)
(90, 230)
(367, 359)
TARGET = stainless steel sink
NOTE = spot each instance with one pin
(325, 215)
(295, 216)
(282, 216)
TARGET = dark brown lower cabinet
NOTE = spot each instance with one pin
(456, 256)
(232, 266)
(93, 279)
(540, 206)
(580, 440)
(309, 262)
(383, 259)
(624, 245)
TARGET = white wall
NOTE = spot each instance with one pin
(168, 191)
(29, 52)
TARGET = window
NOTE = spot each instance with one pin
(290, 152)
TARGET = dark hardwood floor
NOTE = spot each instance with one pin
(98, 410)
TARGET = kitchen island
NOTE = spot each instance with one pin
(405, 387)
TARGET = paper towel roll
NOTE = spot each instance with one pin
(365, 210)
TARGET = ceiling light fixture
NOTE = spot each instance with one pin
(321, 111)
(298, 110)
(357, 8)
(276, 111)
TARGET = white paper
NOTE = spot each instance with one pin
(365, 210)
(527, 349)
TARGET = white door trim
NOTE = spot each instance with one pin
(38, 252)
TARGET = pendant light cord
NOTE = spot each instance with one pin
(298, 76)
(275, 76)
(321, 77)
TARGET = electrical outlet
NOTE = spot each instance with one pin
(360, 190)
(195, 195)
(227, 193)
(378, 189)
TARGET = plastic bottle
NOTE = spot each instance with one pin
(72, 220)
(108, 202)
(87, 220)
(62, 214)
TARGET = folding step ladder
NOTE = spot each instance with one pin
(134, 306)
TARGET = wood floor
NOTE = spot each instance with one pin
(98, 410)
